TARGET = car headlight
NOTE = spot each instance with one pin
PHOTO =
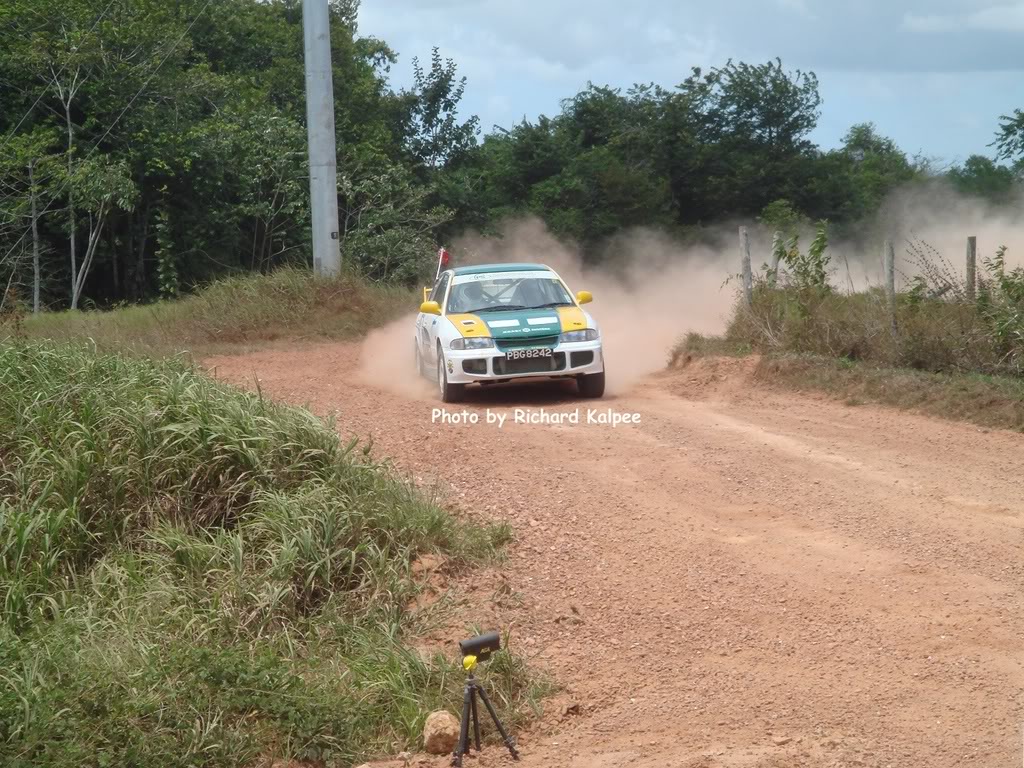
(588, 335)
(478, 343)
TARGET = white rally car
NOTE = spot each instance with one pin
(503, 322)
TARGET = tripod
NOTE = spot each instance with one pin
(473, 688)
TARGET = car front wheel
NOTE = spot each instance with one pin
(421, 370)
(591, 385)
(450, 393)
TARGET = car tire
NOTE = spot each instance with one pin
(591, 385)
(450, 393)
(420, 368)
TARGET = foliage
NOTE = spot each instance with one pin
(980, 177)
(170, 142)
(388, 223)
(1010, 137)
(780, 216)
(436, 135)
(1001, 305)
(190, 575)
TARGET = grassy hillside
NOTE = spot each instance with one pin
(192, 576)
(288, 303)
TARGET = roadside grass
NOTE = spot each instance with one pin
(289, 303)
(191, 575)
(985, 400)
(930, 335)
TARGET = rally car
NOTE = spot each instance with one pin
(505, 322)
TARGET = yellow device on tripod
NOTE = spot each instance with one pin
(475, 650)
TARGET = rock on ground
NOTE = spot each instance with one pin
(440, 733)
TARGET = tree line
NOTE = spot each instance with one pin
(147, 147)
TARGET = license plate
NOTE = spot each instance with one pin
(527, 354)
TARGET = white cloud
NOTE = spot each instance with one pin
(1000, 18)
(799, 6)
(521, 58)
(929, 23)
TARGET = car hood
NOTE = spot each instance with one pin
(520, 323)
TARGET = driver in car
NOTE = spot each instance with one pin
(470, 297)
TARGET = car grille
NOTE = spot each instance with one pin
(578, 359)
(556, 362)
(518, 343)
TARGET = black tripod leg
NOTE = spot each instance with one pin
(463, 746)
(501, 729)
(476, 719)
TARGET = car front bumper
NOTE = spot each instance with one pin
(491, 365)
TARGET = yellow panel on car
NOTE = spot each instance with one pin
(572, 319)
(470, 326)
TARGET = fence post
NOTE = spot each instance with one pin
(889, 256)
(972, 267)
(773, 272)
(748, 276)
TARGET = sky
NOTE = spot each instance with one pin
(935, 75)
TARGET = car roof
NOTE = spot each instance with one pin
(516, 267)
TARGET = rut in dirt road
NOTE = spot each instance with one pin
(743, 578)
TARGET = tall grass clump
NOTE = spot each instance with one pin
(193, 576)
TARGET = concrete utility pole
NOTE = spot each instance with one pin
(323, 172)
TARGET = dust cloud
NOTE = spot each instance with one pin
(931, 212)
(387, 360)
(650, 295)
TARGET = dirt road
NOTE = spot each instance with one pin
(744, 578)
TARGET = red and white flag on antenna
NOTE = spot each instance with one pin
(442, 260)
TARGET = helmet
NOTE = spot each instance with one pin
(473, 292)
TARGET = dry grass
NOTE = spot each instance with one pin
(936, 336)
(989, 401)
(995, 402)
(248, 310)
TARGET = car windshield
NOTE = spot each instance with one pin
(510, 292)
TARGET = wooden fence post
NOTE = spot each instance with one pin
(889, 256)
(748, 275)
(773, 268)
(972, 267)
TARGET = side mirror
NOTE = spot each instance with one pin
(430, 308)
(584, 297)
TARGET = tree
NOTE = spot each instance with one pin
(190, 117)
(979, 176)
(873, 166)
(100, 184)
(387, 225)
(598, 195)
(1010, 136)
(739, 135)
(435, 136)
(26, 170)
